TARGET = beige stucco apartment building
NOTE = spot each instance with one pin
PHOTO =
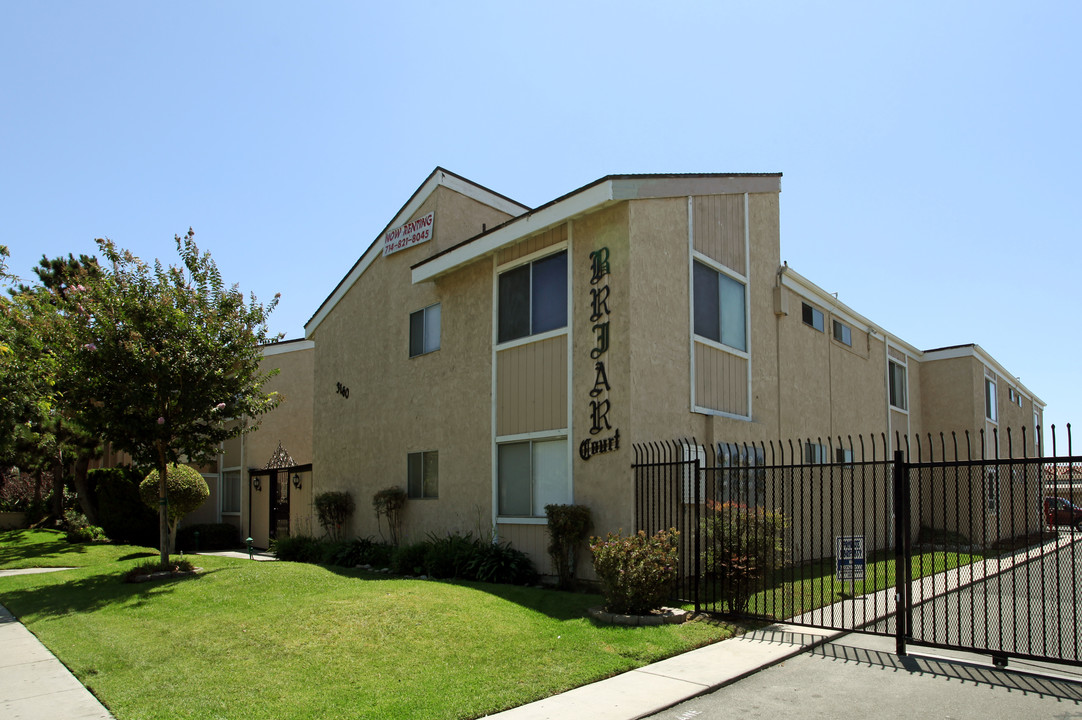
(493, 358)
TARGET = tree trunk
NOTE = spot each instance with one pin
(37, 490)
(58, 492)
(163, 509)
(82, 490)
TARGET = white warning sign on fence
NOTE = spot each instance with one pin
(849, 557)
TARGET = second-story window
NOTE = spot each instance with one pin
(533, 298)
(720, 307)
(896, 385)
(425, 330)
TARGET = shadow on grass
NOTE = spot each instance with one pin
(137, 555)
(15, 548)
(556, 604)
(88, 594)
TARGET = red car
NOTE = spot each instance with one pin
(1059, 512)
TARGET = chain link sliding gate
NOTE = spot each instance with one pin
(983, 554)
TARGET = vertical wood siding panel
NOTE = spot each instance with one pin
(532, 540)
(533, 244)
(531, 387)
(719, 229)
(720, 380)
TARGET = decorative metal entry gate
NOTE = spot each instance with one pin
(976, 552)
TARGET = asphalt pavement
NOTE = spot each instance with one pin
(859, 676)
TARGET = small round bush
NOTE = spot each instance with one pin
(185, 487)
(636, 572)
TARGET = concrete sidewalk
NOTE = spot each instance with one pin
(34, 685)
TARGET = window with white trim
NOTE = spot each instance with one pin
(897, 385)
(720, 307)
(423, 470)
(815, 453)
(425, 330)
(530, 475)
(532, 298)
(843, 334)
(229, 491)
(990, 399)
(812, 316)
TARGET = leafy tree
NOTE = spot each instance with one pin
(41, 432)
(166, 360)
(186, 488)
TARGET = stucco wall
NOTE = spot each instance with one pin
(397, 405)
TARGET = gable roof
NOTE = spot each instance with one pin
(440, 177)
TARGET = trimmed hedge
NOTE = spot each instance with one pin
(454, 556)
(121, 512)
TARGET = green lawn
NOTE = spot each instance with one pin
(285, 640)
(814, 585)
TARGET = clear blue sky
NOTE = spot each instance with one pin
(930, 150)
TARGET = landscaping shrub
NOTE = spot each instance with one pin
(388, 503)
(742, 546)
(16, 490)
(212, 536)
(568, 526)
(151, 567)
(334, 510)
(358, 551)
(449, 556)
(298, 548)
(121, 512)
(637, 572)
(409, 559)
(500, 563)
(79, 529)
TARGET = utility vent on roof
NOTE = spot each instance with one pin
(280, 459)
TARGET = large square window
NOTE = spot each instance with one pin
(533, 298)
(719, 307)
(425, 330)
(531, 475)
(424, 475)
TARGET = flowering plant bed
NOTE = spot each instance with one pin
(154, 571)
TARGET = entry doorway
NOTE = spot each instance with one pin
(278, 485)
(279, 504)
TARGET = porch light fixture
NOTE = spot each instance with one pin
(297, 480)
(257, 483)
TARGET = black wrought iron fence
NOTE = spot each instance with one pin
(946, 540)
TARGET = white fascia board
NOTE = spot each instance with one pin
(462, 187)
(527, 224)
(976, 351)
(804, 287)
(289, 346)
